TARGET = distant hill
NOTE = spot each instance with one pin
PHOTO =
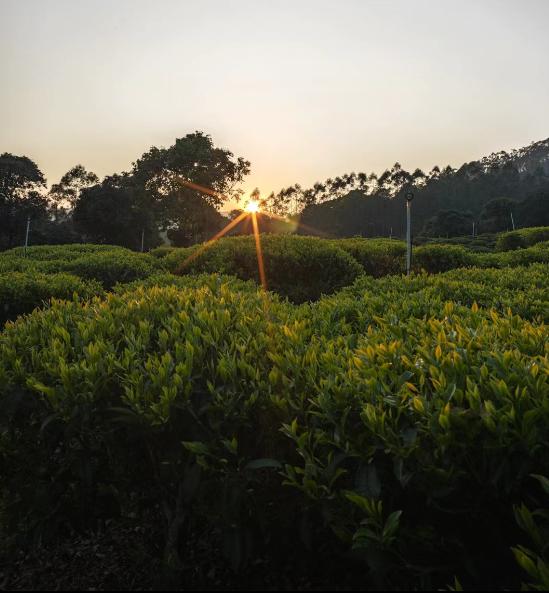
(494, 192)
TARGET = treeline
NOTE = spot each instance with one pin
(175, 193)
(161, 194)
(491, 195)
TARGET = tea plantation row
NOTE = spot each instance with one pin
(394, 434)
(300, 268)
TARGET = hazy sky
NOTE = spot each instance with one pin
(303, 89)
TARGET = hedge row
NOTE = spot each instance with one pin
(21, 292)
(104, 263)
(384, 421)
(300, 268)
(304, 268)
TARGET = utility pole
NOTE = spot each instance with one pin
(473, 229)
(142, 240)
(409, 198)
(512, 221)
(27, 235)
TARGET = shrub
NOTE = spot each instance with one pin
(440, 258)
(109, 268)
(525, 292)
(21, 292)
(145, 392)
(67, 251)
(300, 268)
(522, 238)
(162, 251)
(405, 425)
(378, 257)
(104, 263)
(211, 281)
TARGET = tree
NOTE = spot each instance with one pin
(21, 182)
(115, 212)
(192, 219)
(67, 191)
(185, 183)
(192, 166)
(449, 223)
(496, 215)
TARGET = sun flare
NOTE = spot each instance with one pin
(252, 206)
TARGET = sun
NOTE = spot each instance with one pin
(252, 206)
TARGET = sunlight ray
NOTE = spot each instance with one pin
(260, 263)
(217, 236)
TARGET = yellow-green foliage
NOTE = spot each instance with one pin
(399, 414)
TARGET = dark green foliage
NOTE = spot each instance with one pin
(496, 216)
(161, 251)
(116, 212)
(300, 268)
(378, 257)
(211, 281)
(449, 223)
(486, 191)
(21, 292)
(104, 263)
(440, 258)
(522, 238)
(20, 183)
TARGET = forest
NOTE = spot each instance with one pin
(178, 193)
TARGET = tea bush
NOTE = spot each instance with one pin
(104, 263)
(300, 268)
(21, 292)
(525, 292)
(397, 420)
(522, 238)
(162, 251)
(378, 257)
(211, 281)
(440, 258)
(108, 268)
(67, 251)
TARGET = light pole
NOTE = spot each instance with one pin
(409, 198)
(27, 235)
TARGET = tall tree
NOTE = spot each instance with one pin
(186, 181)
(21, 183)
(65, 194)
(115, 212)
(192, 165)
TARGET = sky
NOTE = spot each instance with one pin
(304, 89)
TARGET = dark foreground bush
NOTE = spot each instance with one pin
(361, 434)
(21, 292)
(300, 268)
